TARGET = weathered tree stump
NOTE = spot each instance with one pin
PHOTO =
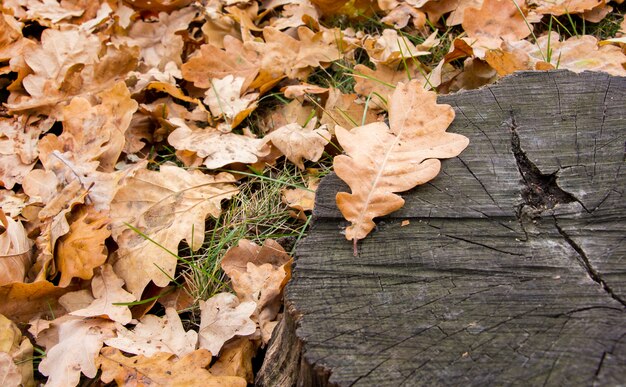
(512, 269)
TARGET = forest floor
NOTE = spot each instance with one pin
(159, 159)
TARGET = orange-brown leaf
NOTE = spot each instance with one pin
(381, 160)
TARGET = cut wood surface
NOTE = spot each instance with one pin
(511, 269)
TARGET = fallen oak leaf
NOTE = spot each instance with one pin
(83, 248)
(211, 62)
(236, 360)
(300, 199)
(225, 100)
(163, 208)
(107, 290)
(22, 302)
(80, 341)
(15, 250)
(16, 356)
(222, 318)
(215, 147)
(162, 369)
(298, 142)
(381, 160)
(259, 274)
(155, 334)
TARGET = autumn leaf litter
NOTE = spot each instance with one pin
(126, 128)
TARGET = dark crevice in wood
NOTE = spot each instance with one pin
(483, 245)
(584, 260)
(541, 191)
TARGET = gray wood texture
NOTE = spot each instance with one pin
(512, 270)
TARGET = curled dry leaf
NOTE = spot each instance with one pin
(236, 360)
(222, 318)
(381, 160)
(163, 369)
(299, 199)
(298, 142)
(155, 334)
(18, 147)
(22, 302)
(259, 274)
(16, 356)
(106, 288)
(166, 206)
(225, 100)
(83, 248)
(215, 147)
(391, 48)
(15, 250)
(79, 342)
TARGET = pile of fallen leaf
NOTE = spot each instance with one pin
(90, 227)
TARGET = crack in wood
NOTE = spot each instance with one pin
(541, 191)
(584, 260)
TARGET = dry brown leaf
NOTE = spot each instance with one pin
(399, 17)
(10, 375)
(436, 9)
(22, 302)
(378, 85)
(283, 55)
(158, 41)
(236, 360)
(263, 285)
(381, 160)
(15, 251)
(97, 132)
(237, 258)
(476, 73)
(300, 199)
(51, 11)
(347, 110)
(495, 21)
(216, 148)
(598, 13)
(167, 206)
(106, 288)
(80, 341)
(16, 356)
(18, 147)
(225, 100)
(83, 248)
(163, 369)
(298, 142)
(576, 54)
(159, 5)
(293, 13)
(294, 111)
(259, 274)
(211, 62)
(155, 334)
(562, 7)
(390, 48)
(222, 318)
